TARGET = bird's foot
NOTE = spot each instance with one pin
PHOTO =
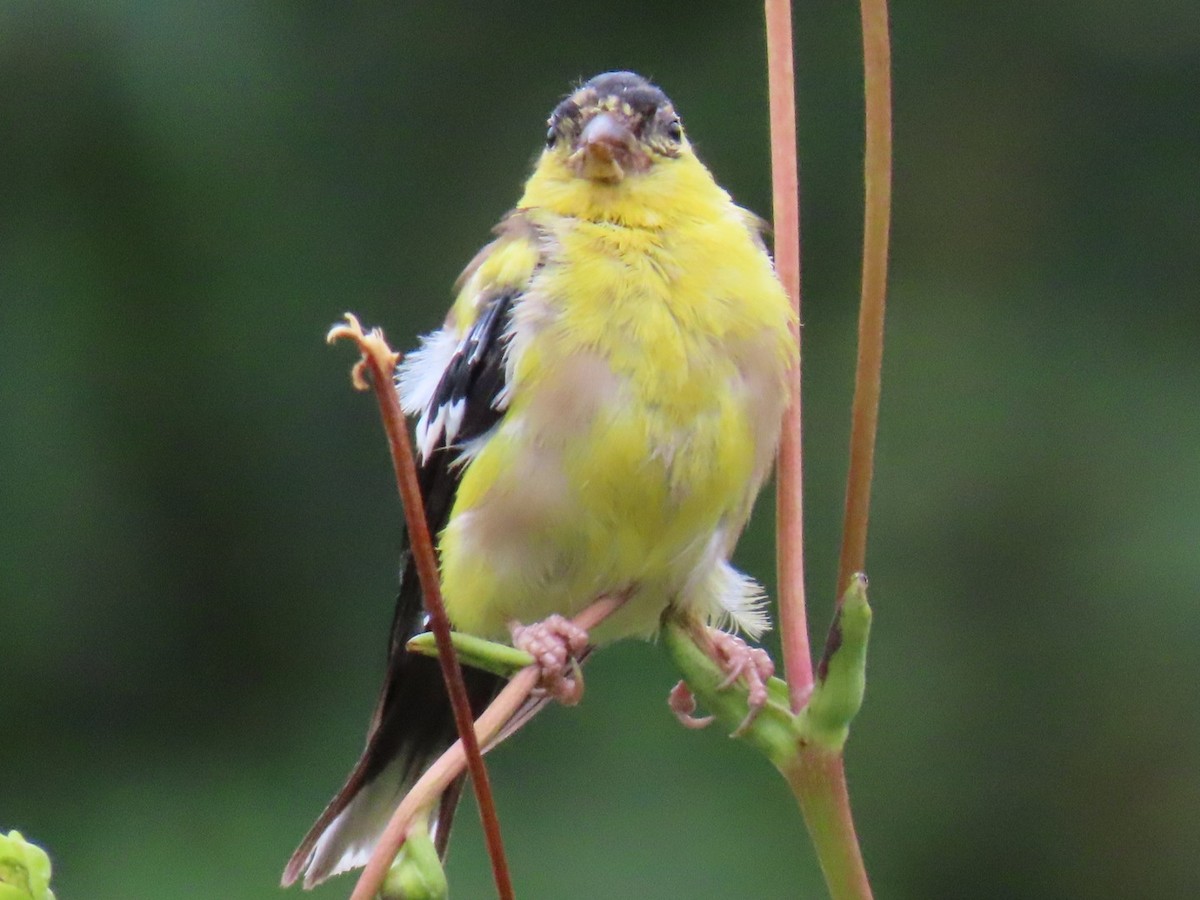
(682, 702)
(556, 644)
(741, 662)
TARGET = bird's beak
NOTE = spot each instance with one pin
(607, 149)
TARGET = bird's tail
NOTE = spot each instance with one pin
(412, 725)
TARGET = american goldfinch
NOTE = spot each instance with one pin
(595, 417)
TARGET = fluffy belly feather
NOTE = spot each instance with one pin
(645, 410)
(622, 491)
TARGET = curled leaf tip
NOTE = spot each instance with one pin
(350, 328)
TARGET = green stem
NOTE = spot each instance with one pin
(805, 747)
(499, 659)
(818, 779)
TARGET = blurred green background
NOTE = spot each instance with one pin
(199, 532)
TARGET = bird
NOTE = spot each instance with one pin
(595, 417)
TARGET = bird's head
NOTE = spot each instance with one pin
(616, 126)
(616, 151)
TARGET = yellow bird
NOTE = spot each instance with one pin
(596, 417)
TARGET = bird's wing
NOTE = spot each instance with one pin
(468, 398)
(456, 383)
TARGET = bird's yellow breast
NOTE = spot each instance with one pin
(647, 380)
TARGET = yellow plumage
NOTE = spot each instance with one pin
(647, 365)
(596, 417)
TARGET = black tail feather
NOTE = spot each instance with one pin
(412, 725)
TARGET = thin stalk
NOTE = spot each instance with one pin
(380, 361)
(877, 172)
(817, 775)
(789, 504)
(818, 779)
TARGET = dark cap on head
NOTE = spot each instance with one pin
(643, 98)
(629, 87)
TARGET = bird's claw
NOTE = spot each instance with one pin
(741, 662)
(556, 644)
(682, 702)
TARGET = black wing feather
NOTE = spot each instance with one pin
(475, 377)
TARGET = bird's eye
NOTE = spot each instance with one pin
(551, 136)
(675, 130)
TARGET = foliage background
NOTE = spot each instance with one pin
(198, 531)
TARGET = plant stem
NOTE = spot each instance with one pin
(877, 173)
(380, 361)
(817, 775)
(818, 779)
(789, 518)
